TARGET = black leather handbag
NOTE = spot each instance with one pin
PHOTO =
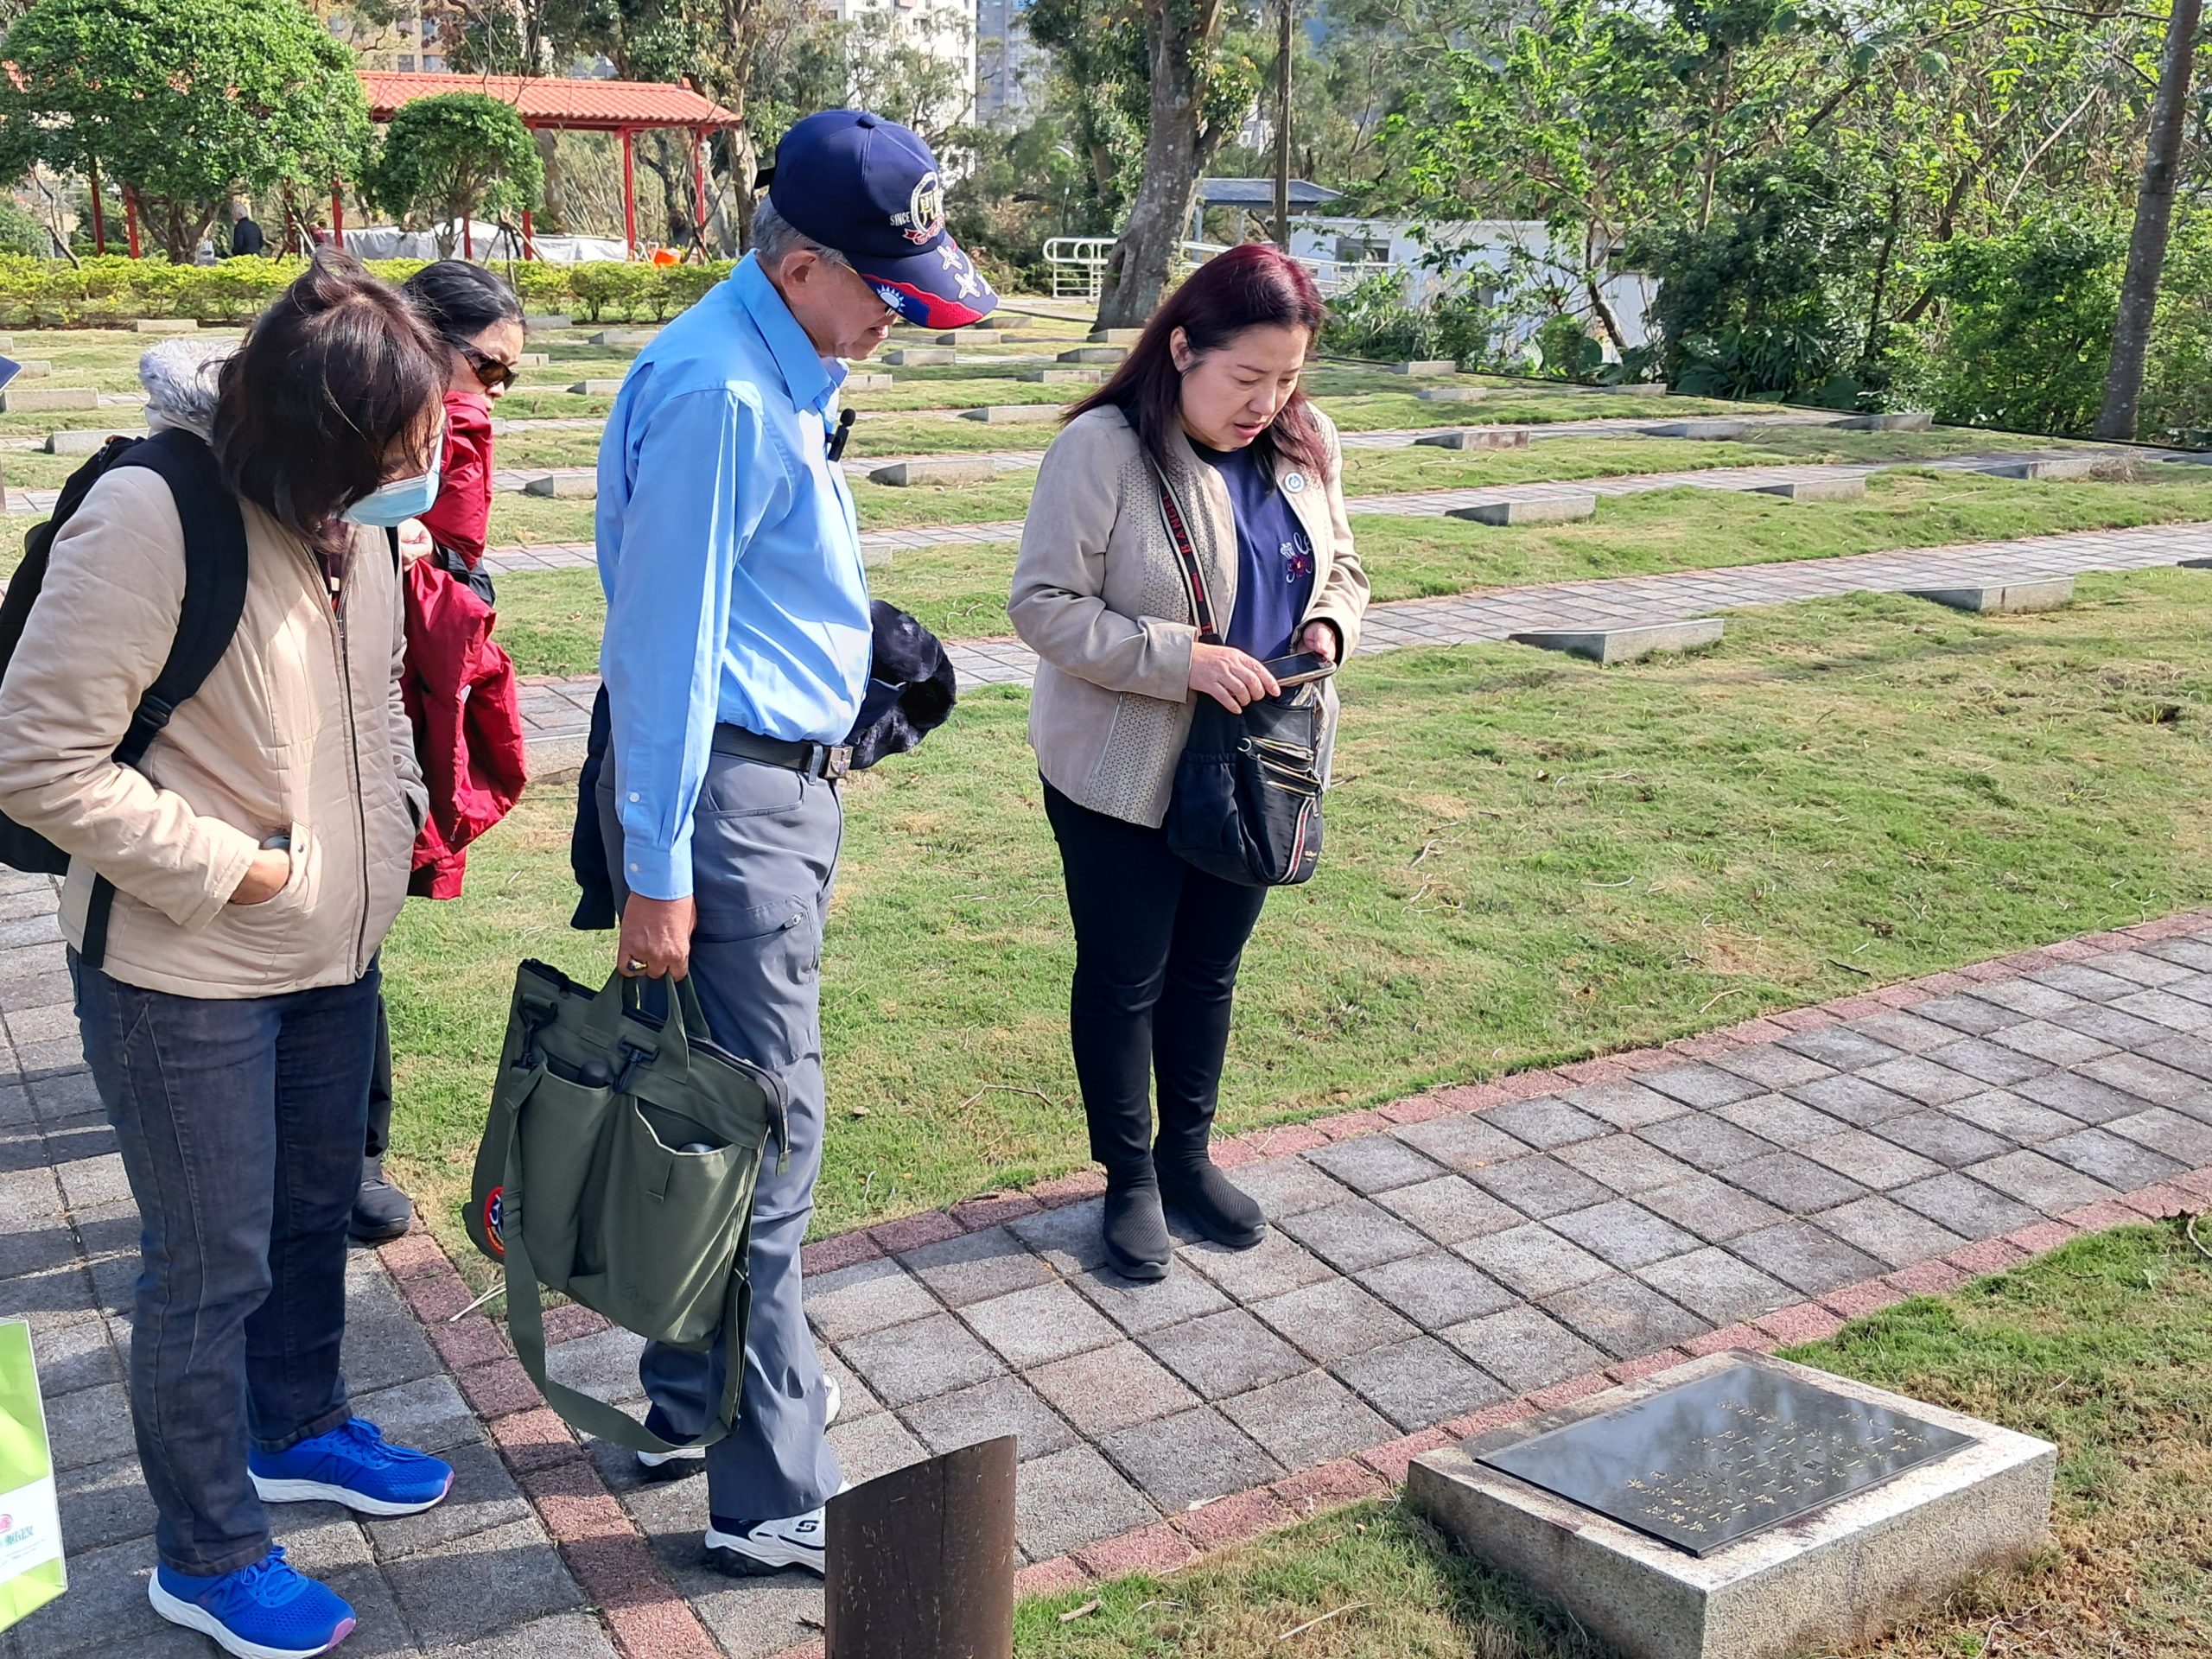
(1246, 801)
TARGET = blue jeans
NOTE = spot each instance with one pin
(240, 1126)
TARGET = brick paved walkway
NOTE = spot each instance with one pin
(1453, 1260)
(558, 712)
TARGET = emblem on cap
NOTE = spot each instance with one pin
(923, 219)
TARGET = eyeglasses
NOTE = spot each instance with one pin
(491, 374)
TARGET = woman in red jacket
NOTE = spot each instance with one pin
(459, 686)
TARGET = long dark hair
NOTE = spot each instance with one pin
(1252, 286)
(332, 378)
(461, 300)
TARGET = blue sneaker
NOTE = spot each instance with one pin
(262, 1611)
(352, 1465)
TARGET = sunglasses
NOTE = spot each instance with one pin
(491, 374)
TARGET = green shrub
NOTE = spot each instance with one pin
(541, 288)
(2029, 325)
(1374, 319)
(601, 287)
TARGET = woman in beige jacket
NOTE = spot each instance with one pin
(1208, 402)
(257, 857)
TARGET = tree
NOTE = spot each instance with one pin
(182, 102)
(453, 157)
(2154, 210)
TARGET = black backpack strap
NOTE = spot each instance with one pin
(215, 600)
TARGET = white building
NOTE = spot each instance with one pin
(1008, 64)
(944, 29)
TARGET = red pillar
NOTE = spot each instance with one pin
(699, 183)
(529, 245)
(468, 236)
(338, 215)
(630, 191)
(131, 217)
(99, 211)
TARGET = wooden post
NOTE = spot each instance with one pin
(338, 215)
(99, 211)
(467, 236)
(1282, 131)
(630, 191)
(131, 217)
(528, 242)
(921, 1560)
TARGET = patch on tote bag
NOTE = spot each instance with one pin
(492, 1208)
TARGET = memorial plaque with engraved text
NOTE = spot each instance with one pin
(1710, 1462)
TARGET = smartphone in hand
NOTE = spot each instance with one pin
(1300, 667)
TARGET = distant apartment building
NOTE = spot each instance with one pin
(944, 29)
(403, 38)
(1008, 64)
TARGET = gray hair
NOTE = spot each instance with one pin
(774, 236)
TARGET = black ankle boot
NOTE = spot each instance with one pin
(1211, 1202)
(1137, 1245)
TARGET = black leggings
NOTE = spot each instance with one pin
(1157, 946)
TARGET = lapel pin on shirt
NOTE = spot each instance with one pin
(1294, 482)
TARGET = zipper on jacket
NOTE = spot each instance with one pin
(353, 751)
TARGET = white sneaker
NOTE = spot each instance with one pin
(689, 1459)
(770, 1547)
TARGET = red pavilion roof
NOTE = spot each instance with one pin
(568, 105)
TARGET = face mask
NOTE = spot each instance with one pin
(396, 502)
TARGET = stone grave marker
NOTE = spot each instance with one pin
(2050, 468)
(597, 388)
(165, 326)
(1609, 647)
(1095, 354)
(1716, 431)
(969, 337)
(1001, 414)
(862, 380)
(922, 357)
(1563, 507)
(543, 323)
(1741, 1507)
(1115, 336)
(1477, 437)
(532, 360)
(33, 368)
(625, 340)
(90, 441)
(1432, 368)
(20, 399)
(2004, 599)
(934, 469)
(1453, 394)
(565, 486)
(1065, 377)
(1816, 489)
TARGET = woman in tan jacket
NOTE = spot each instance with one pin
(254, 859)
(1207, 403)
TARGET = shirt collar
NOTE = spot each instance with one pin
(811, 380)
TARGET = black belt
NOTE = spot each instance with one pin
(826, 760)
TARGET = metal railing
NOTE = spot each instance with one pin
(1078, 265)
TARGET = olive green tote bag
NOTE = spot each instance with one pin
(618, 1167)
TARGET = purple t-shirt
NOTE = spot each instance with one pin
(1274, 558)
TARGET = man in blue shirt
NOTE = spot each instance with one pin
(735, 660)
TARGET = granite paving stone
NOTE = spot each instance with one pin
(489, 1580)
(1308, 1419)
(976, 1267)
(1287, 1186)
(2162, 1085)
(1703, 1086)
(1779, 1119)
(1110, 1389)
(104, 1504)
(1371, 1163)
(1071, 1498)
(1711, 1209)
(483, 1496)
(1966, 1206)
(2026, 996)
(1839, 1048)
(1923, 1080)
(1716, 1287)
(2043, 1040)
(2170, 1131)
(2090, 984)
(1435, 1289)
(1045, 1322)
(2083, 1099)
(1793, 1183)
(1854, 1099)
(1625, 1233)
(1942, 1138)
(1973, 1014)
(903, 1363)
(2112, 1159)
(1541, 1186)
(1534, 1260)
(1524, 1348)
(1275, 1264)
(2180, 1013)
(1869, 1159)
(2002, 1113)
(1772, 1067)
(1418, 1382)
(1467, 1143)
(1353, 1234)
(105, 1611)
(1891, 1233)
(1805, 1258)
(852, 1301)
(1991, 1062)
(874, 1446)
(2183, 1053)
(1623, 1316)
(1336, 1317)
(1137, 1308)
(2038, 1182)
(1706, 1142)
(1905, 1031)
(1070, 1239)
(1185, 1459)
(2113, 1026)
(1625, 1163)
(1624, 1104)
(1544, 1122)
(1005, 1405)
(1225, 1353)
(1451, 1208)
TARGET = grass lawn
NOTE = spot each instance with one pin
(551, 621)
(1530, 860)
(2104, 1348)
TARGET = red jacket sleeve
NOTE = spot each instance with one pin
(461, 515)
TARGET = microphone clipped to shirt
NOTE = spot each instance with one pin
(837, 438)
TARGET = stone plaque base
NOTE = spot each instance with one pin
(1567, 507)
(948, 469)
(1478, 437)
(1610, 646)
(2044, 594)
(1001, 414)
(2047, 468)
(1717, 432)
(1817, 489)
(566, 487)
(1837, 1577)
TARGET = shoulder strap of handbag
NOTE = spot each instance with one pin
(1194, 576)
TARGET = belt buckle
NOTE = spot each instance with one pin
(836, 761)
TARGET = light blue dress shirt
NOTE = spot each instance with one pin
(731, 557)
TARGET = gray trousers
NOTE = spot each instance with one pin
(763, 857)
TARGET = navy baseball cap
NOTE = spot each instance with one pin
(869, 189)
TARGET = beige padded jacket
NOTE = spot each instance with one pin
(299, 729)
(1099, 596)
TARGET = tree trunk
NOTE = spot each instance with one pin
(1176, 151)
(744, 163)
(2154, 212)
